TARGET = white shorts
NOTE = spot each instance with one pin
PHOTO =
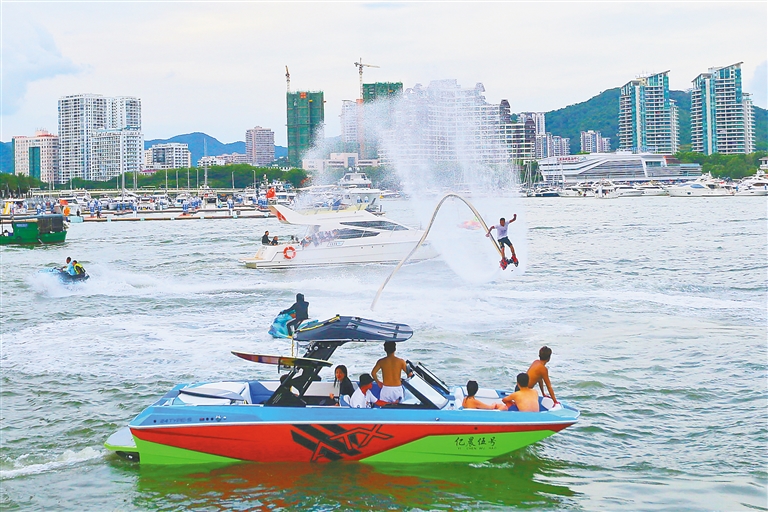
(391, 394)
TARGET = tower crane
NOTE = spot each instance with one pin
(360, 67)
(287, 79)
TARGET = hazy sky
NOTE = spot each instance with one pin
(219, 67)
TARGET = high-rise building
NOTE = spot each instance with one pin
(561, 146)
(99, 137)
(594, 142)
(647, 116)
(722, 120)
(37, 156)
(260, 146)
(171, 155)
(348, 120)
(306, 117)
(380, 90)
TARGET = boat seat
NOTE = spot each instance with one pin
(259, 392)
(215, 393)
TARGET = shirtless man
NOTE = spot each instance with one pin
(470, 402)
(524, 399)
(539, 374)
(390, 366)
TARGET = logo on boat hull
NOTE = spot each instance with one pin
(333, 442)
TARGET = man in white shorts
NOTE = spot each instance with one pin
(390, 366)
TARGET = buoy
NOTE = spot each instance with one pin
(289, 253)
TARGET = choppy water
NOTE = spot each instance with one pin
(655, 309)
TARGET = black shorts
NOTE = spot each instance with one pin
(504, 241)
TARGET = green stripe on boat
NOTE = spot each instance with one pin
(459, 448)
(154, 453)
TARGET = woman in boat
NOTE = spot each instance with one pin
(342, 385)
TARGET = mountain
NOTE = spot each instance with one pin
(601, 113)
(201, 144)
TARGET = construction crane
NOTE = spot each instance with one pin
(360, 67)
(287, 79)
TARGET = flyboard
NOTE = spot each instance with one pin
(504, 263)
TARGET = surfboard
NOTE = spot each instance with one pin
(301, 362)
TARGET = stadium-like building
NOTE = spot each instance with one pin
(616, 166)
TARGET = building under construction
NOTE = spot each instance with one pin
(380, 90)
(305, 115)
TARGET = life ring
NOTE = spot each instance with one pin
(289, 252)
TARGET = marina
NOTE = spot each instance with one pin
(637, 337)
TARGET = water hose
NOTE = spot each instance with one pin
(424, 237)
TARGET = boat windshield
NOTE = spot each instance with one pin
(383, 225)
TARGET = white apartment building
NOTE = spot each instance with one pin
(99, 137)
(225, 159)
(338, 161)
(593, 142)
(36, 156)
(170, 155)
(349, 121)
(260, 146)
(722, 118)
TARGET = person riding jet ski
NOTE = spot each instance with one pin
(300, 309)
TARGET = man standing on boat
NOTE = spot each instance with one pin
(265, 238)
(502, 239)
(539, 374)
(390, 366)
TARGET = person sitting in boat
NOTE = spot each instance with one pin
(300, 309)
(274, 241)
(390, 366)
(265, 239)
(524, 399)
(470, 402)
(78, 268)
(6, 232)
(342, 385)
(539, 374)
(363, 398)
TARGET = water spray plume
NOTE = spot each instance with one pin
(424, 237)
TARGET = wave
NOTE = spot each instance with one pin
(66, 459)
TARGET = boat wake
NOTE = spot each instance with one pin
(66, 459)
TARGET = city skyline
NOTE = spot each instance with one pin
(202, 74)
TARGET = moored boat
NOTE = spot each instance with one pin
(704, 186)
(292, 419)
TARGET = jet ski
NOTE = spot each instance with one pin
(65, 277)
(279, 327)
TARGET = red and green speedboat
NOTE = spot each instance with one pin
(287, 420)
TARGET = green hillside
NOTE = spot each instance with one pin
(601, 113)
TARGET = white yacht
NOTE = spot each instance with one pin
(704, 185)
(350, 235)
(357, 188)
(756, 185)
(652, 189)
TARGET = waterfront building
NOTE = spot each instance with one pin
(260, 146)
(170, 155)
(722, 120)
(36, 156)
(99, 137)
(339, 161)
(622, 166)
(594, 142)
(647, 116)
(306, 117)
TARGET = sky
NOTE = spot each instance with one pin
(219, 67)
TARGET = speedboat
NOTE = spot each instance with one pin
(340, 237)
(651, 189)
(292, 419)
(704, 185)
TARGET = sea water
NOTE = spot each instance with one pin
(655, 309)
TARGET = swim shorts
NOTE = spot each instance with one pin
(391, 394)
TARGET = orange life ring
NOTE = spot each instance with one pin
(289, 253)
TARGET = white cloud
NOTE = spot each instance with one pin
(219, 67)
(29, 54)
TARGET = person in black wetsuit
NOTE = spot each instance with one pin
(301, 309)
